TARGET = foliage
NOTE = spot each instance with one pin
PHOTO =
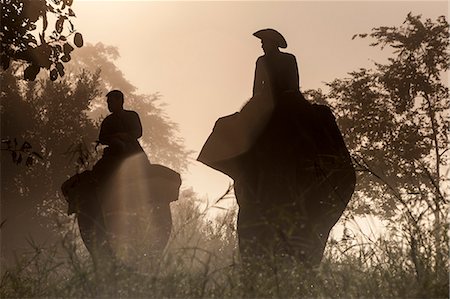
(22, 20)
(199, 264)
(395, 121)
(50, 116)
(18, 153)
(56, 118)
(160, 135)
(395, 117)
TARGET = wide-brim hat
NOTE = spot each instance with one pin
(273, 35)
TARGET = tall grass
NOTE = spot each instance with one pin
(201, 261)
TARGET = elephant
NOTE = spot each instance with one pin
(293, 176)
(126, 217)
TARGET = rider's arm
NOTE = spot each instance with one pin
(259, 77)
(135, 126)
(105, 134)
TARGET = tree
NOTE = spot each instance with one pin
(61, 118)
(20, 20)
(395, 119)
(51, 115)
(160, 137)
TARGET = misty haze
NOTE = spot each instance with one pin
(224, 149)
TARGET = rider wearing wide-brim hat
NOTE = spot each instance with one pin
(272, 149)
(275, 71)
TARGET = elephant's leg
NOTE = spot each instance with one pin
(162, 222)
(308, 245)
(93, 231)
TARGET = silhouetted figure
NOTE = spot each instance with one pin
(120, 131)
(276, 72)
(124, 200)
(292, 171)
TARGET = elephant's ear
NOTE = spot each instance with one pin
(67, 185)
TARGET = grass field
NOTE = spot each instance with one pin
(202, 261)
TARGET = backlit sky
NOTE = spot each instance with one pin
(200, 56)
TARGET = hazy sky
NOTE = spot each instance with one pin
(201, 55)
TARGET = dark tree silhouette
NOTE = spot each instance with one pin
(52, 116)
(160, 139)
(25, 37)
(394, 116)
(60, 119)
(395, 121)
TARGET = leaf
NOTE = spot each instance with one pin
(60, 68)
(66, 58)
(31, 72)
(53, 74)
(59, 25)
(67, 48)
(61, 72)
(71, 13)
(78, 40)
